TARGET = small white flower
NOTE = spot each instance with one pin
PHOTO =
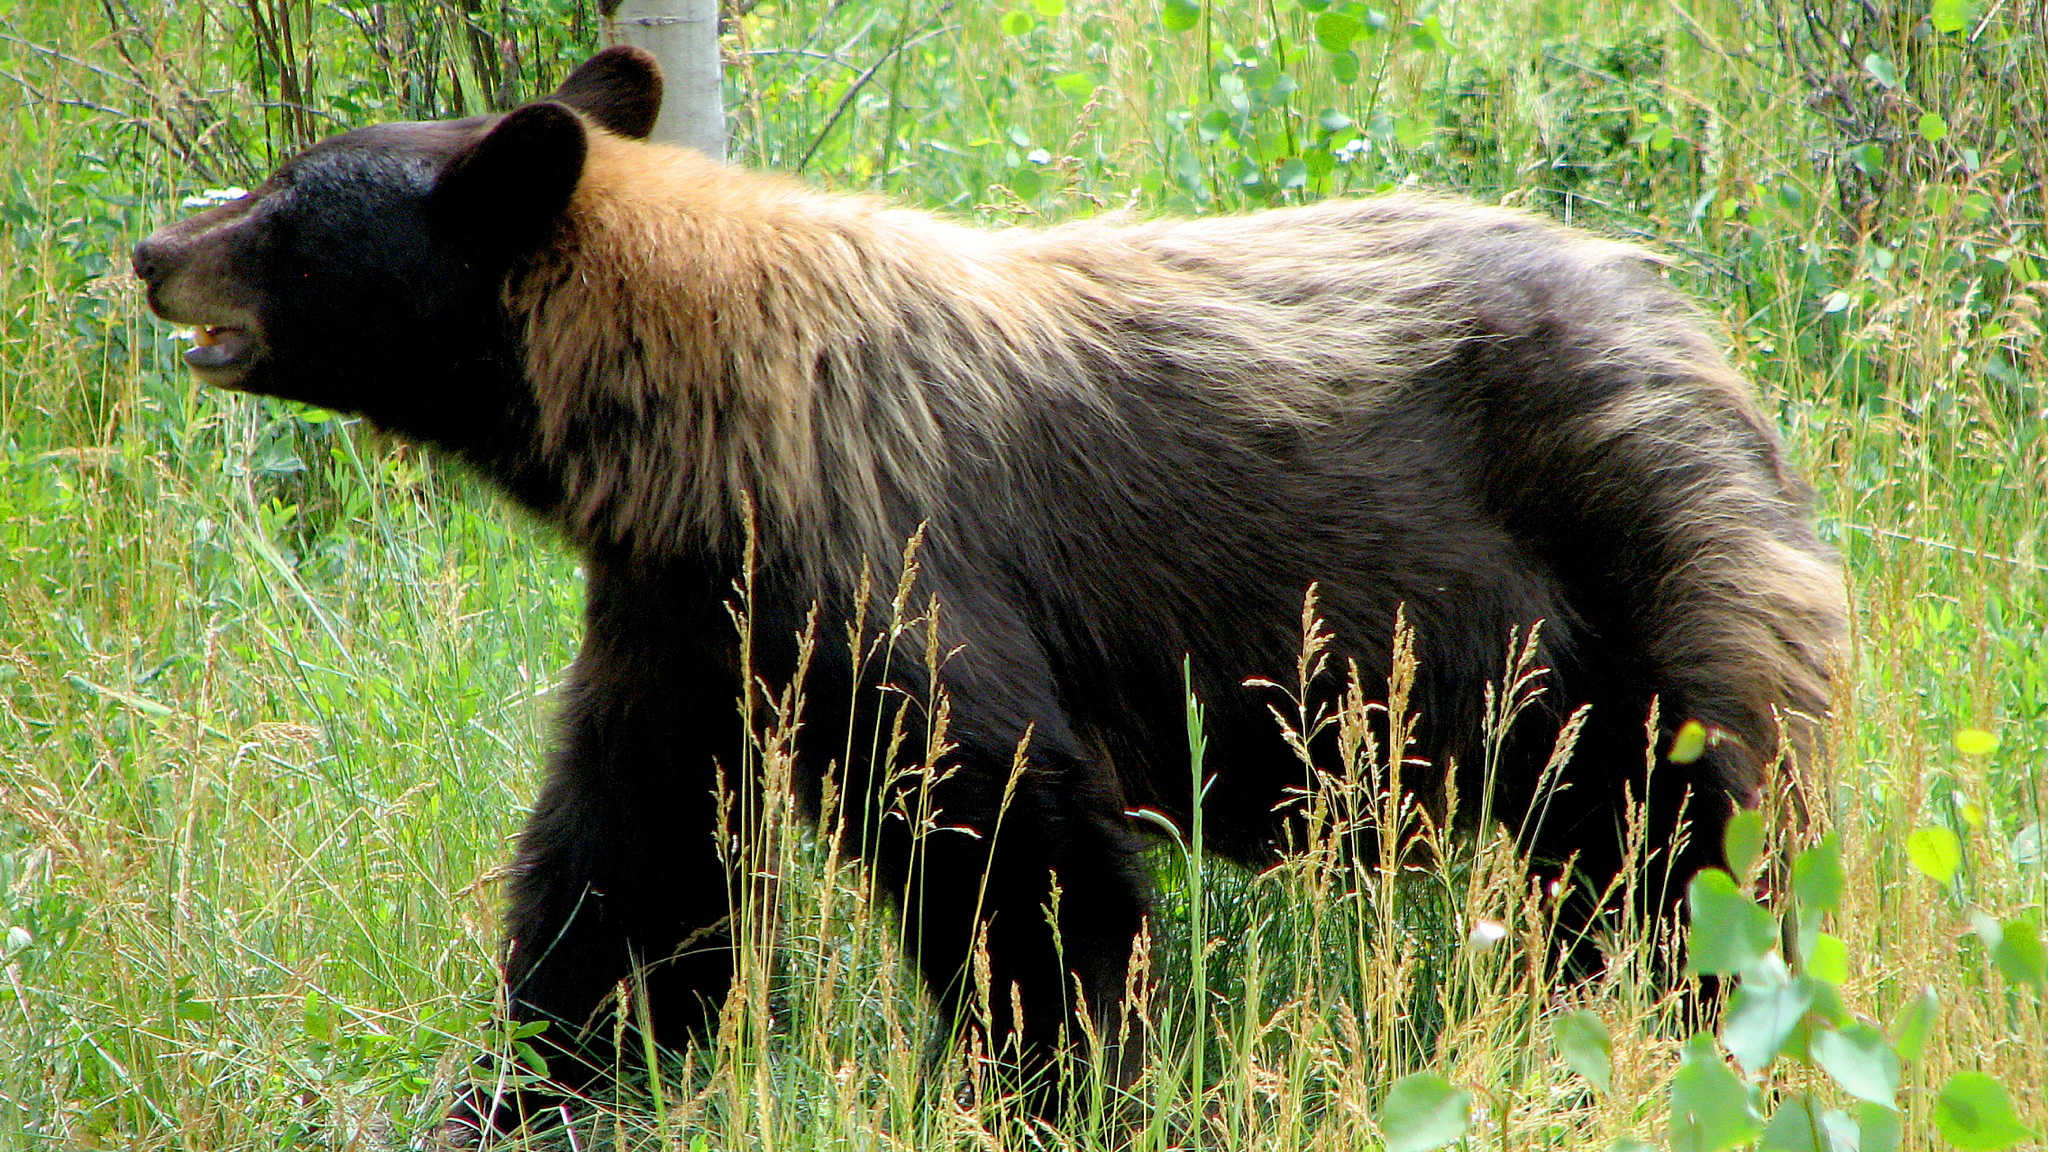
(213, 196)
(1486, 934)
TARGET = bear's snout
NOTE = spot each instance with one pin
(150, 260)
(190, 273)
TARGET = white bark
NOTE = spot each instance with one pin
(683, 36)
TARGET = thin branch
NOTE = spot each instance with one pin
(853, 90)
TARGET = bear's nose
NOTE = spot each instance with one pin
(152, 259)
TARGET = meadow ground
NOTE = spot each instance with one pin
(273, 690)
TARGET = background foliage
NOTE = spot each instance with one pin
(271, 688)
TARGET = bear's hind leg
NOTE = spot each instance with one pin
(1634, 834)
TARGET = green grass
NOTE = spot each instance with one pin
(273, 690)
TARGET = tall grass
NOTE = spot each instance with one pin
(272, 689)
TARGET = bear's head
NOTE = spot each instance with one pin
(367, 274)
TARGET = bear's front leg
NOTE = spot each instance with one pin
(618, 878)
(1046, 875)
(614, 884)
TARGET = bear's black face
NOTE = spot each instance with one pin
(367, 274)
(335, 283)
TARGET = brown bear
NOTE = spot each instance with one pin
(1129, 446)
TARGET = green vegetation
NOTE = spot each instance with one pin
(272, 689)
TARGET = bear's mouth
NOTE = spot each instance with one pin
(219, 346)
(222, 354)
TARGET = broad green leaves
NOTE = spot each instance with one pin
(1936, 852)
(1802, 1125)
(1179, 15)
(1729, 931)
(1952, 16)
(1915, 1021)
(1583, 1041)
(1744, 841)
(1858, 1059)
(1969, 741)
(1975, 1114)
(1688, 744)
(2016, 949)
(1711, 1109)
(1336, 29)
(1424, 1112)
(1817, 876)
(1760, 1018)
(1778, 1012)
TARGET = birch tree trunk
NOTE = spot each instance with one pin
(683, 37)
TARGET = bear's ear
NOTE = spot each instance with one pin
(505, 190)
(619, 89)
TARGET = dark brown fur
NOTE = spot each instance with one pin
(1125, 443)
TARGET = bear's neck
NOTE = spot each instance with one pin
(710, 348)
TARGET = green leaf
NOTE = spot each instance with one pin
(1913, 1024)
(1868, 157)
(319, 1017)
(1179, 15)
(530, 1058)
(1293, 173)
(1582, 1039)
(1969, 741)
(1879, 1126)
(1026, 181)
(1827, 958)
(1759, 1019)
(1075, 85)
(1710, 1108)
(1933, 129)
(1050, 9)
(1017, 22)
(1859, 1060)
(1744, 841)
(1881, 70)
(1729, 931)
(1424, 1111)
(1802, 1125)
(1428, 35)
(1952, 16)
(191, 1007)
(1344, 67)
(1974, 1114)
(1631, 1144)
(1936, 852)
(1688, 744)
(1336, 30)
(2019, 954)
(1817, 876)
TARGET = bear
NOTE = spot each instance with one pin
(1126, 450)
